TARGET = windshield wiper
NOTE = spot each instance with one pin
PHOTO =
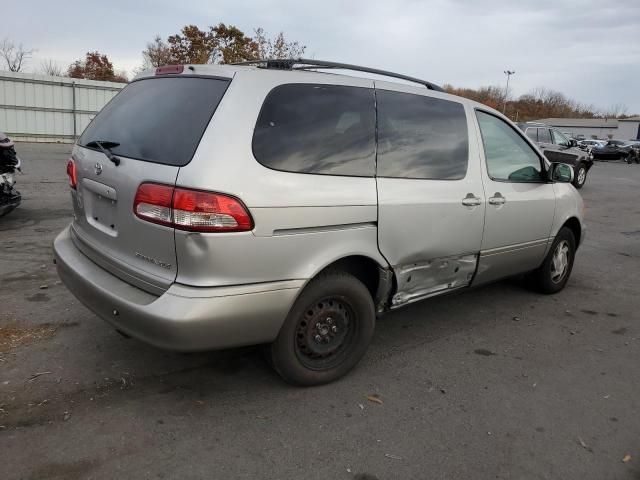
(105, 147)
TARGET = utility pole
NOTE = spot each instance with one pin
(508, 73)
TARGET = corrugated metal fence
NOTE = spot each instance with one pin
(39, 108)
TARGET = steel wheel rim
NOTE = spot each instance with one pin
(325, 332)
(560, 262)
(582, 175)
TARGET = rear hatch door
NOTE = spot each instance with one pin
(153, 127)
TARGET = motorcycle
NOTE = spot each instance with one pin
(10, 198)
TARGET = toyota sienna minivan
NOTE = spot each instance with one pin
(273, 203)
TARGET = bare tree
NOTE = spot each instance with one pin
(614, 111)
(15, 56)
(50, 67)
(157, 54)
(277, 47)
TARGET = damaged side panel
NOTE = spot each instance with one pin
(416, 281)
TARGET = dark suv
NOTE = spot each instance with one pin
(558, 148)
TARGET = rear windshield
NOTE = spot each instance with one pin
(159, 119)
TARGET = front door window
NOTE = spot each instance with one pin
(509, 157)
(560, 139)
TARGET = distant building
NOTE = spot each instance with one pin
(602, 128)
(629, 128)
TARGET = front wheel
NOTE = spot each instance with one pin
(580, 176)
(553, 274)
(326, 332)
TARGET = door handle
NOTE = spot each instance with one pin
(471, 200)
(497, 199)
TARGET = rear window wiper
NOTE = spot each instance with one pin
(105, 147)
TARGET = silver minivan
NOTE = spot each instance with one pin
(272, 203)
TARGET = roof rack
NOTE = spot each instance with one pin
(308, 64)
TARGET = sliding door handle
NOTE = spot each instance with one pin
(471, 200)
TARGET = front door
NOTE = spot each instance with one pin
(520, 202)
(561, 151)
(430, 196)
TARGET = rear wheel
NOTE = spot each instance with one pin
(580, 176)
(553, 274)
(326, 332)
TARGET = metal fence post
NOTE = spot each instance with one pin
(73, 111)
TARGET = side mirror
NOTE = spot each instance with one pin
(573, 143)
(561, 172)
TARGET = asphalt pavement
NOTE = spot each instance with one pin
(497, 382)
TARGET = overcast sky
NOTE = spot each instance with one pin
(589, 50)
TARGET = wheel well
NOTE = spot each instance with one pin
(573, 224)
(363, 268)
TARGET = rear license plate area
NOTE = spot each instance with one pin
(101, 213)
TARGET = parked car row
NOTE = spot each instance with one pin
(612, 149)
(587, 145)
(617, 150)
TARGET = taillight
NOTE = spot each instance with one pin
(153, 203)
(208, 212)
(73, 175)
(191, 210)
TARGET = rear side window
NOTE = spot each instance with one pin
(532, 133)
(322, 129)
(544, 136)
(421, 137)
(159, 119)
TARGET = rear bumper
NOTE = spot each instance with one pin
(183, 318)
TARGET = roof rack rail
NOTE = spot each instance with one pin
(309, 64)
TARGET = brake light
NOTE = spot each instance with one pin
(209, 212)
(191, 210)
(169, 69)
(153, 203)
(73, 175)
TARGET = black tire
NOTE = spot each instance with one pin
(580, 175)
(6, 211)
(546, 279)
(327, 331)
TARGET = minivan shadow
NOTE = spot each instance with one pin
(209, 383)
(206, 374)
